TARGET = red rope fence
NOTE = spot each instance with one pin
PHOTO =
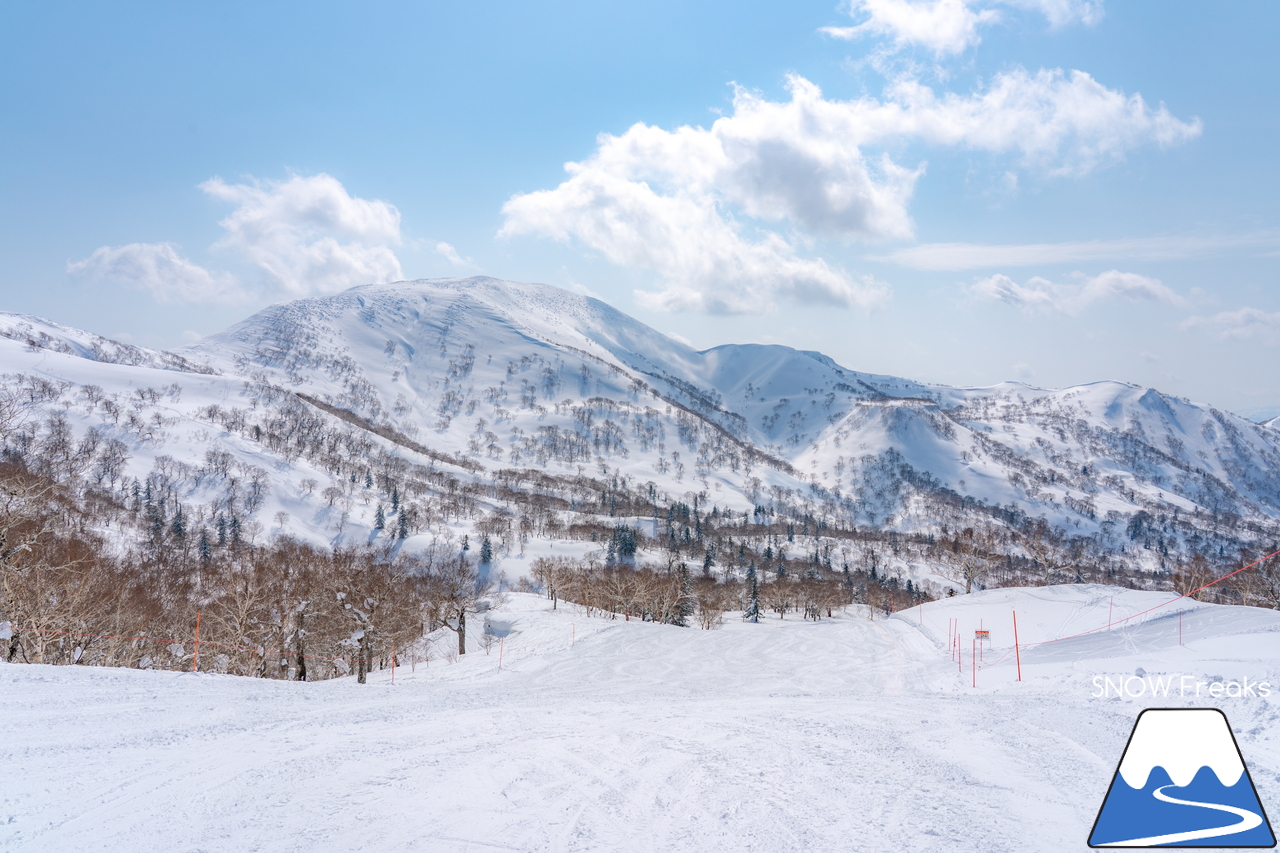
(1016, 650)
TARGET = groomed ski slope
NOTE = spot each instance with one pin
(847, 734)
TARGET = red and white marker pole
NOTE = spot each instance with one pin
(1016, 653)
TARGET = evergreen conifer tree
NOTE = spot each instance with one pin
(379, 519)
(402, 526)
(206, 553)
(752, 613)
(684, 607)
(486, 551)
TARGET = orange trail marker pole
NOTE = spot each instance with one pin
(393, 663)
(973, 662)
(195, 657)
(1016, 653)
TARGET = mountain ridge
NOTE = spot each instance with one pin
(506, 374)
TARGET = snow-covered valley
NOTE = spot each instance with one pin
(600, 734)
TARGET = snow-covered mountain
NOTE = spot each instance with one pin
(477, 376)
(40, 334)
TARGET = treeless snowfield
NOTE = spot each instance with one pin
(846, 734)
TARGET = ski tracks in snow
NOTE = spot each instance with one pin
(784, 736)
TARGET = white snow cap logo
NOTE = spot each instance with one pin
(1182, 783)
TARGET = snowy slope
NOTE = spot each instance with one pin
(154, 412)
(846, 734)
(497, 375)
(400, 352)
(38, 333)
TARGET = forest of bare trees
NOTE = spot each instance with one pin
(99, 568)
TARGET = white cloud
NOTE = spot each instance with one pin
(1064, 123)
(694, 204)
(704, 260)
(161, 270)
(942, 26)
(1039, 295)
(969, 256)
(1243, 324)
(950, 27)
(451, 255)
(308, 235)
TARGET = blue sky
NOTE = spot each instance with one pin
(957, 191)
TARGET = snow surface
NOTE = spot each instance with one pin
(846, 734)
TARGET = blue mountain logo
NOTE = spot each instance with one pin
(1182, 783)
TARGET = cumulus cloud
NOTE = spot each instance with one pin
(719, 212)
(1243, 324)
(707, 264)
(161, 270)
(1040, 295)
(950, 27)
(308, 234)
(1063, 123)
(305, 234)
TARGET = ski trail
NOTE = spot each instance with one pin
(1248, 820)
